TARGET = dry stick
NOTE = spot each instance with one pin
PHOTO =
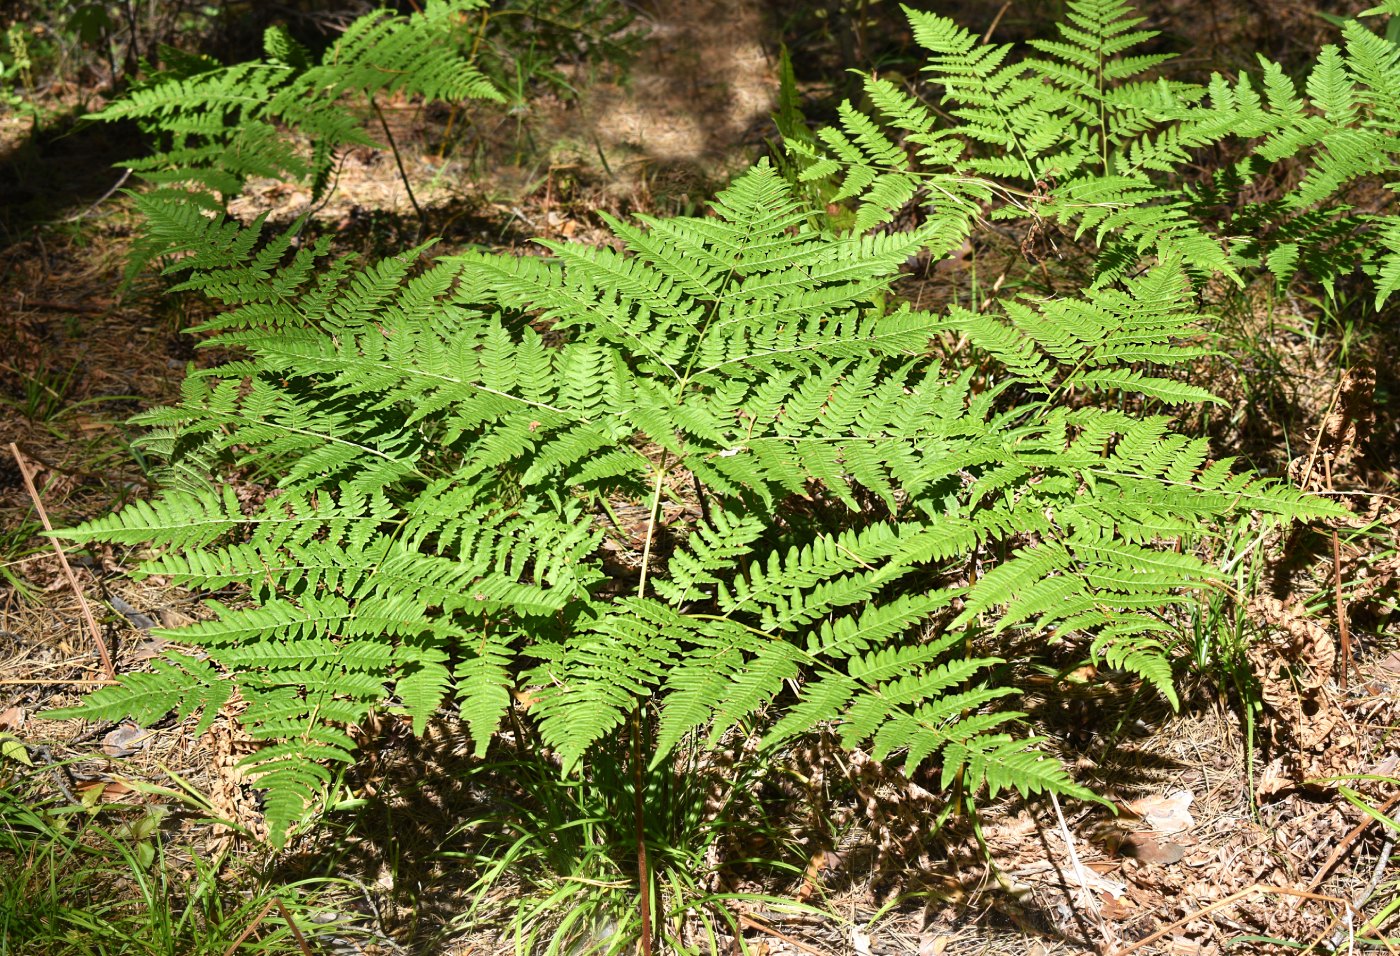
(1317, 442)
(61, 775)
(1220, 905)
(1344, 632)
(639, 824)
(1347, 841)
(752, 923)
(1364, 894)
(1079, 874)
(987, 37)
(248, 931)
(45, 305)
(63, 559)
(296, 933)
(1086, 896)
(101, 199)
(1343, 626)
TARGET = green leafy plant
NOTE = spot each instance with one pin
(285, 116)
(1075, 137)
(1081, 142)
(1341, 133)
(448, 445)
(79, 882)
(16, 75)
(525, 42)
(710, 480)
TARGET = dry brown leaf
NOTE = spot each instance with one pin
(170, 617)
(1148, 849)
(1345, 428)
(150, 648)
(1170, 813)
(102, 791)
(930, 945)
(125, 739)
(1293, 663)
(13, 718)
(811, 877)
(1274, 778)
(229, 743)
(1114, 909)
(1294, 640)
(138, 620)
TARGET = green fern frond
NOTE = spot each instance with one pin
(218, 127)
(457, 448)
(180, 683)
(179, 519)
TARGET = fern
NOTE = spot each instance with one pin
(284, 117)
(1077, 136)
(448, 438)
(1343, 131)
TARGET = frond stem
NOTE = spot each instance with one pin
(651, 527)
(403, 173)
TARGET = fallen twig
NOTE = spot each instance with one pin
(752, 923)
(1085, 895)
(291, 925)
(248, 930)
(1346, 842)
(61, 776)
(1221, 904)
(100, 199)
(63, 559)
(45, 305)
(1364, 894)
(1343, 628)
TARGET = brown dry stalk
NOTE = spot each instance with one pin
(1317, 439)
(291, 925)
(987, 37)
(1349, 840)
(63, 559)
(46, 305)
(1221, 904)
(752, 923)
(1085, 895)
(248, 931)
(1343, 625)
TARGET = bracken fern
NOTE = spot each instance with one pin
(1076, 133)
(285, 117)
(448, 437)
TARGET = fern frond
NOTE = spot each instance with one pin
(216, 127)
(450, 442)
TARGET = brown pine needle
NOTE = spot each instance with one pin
(63, 559)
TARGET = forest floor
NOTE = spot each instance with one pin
(1225, 838)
